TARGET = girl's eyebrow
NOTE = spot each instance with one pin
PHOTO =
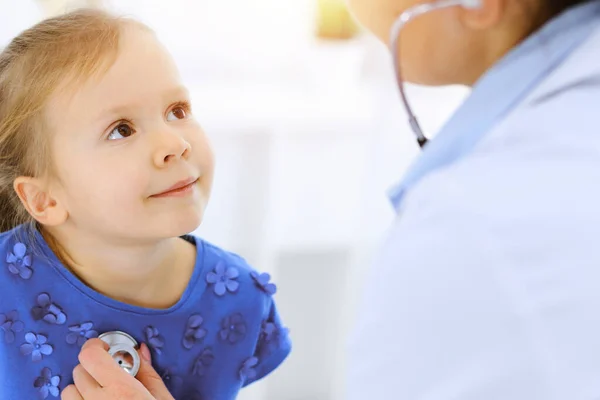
(178, 92)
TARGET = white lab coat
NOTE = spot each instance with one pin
(490, 289)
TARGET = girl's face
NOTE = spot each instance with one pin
(124, 141)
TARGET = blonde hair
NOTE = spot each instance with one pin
(57, 51)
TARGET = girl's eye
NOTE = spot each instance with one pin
(178, 112)
(121, 131)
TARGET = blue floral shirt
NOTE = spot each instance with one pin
(224, 332)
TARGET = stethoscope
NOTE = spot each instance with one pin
(402, 20)
(123, 349)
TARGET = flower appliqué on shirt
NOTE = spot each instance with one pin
(154, 339)
(19, 261)
(11, 325)
(193, 331)
(48, 311)
(194, 396)
(81, 333)
(263, 282)
(47, 384)
(37, 346)
(171, 381)
(268, 331)
(224, 279)
(248, 369)
(272, 337)
(233, 328)
(203, 362)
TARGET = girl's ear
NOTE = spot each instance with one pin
(39, 202)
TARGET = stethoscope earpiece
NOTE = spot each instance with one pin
(471, 3)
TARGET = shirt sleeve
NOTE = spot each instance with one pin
(273, 345)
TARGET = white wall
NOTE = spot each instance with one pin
(16, 16)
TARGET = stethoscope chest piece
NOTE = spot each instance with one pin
(123, 350)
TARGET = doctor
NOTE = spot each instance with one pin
(488, 287)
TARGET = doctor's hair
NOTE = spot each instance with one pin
(555, 7)
(56, 54)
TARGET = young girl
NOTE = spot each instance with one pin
(104, 171)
